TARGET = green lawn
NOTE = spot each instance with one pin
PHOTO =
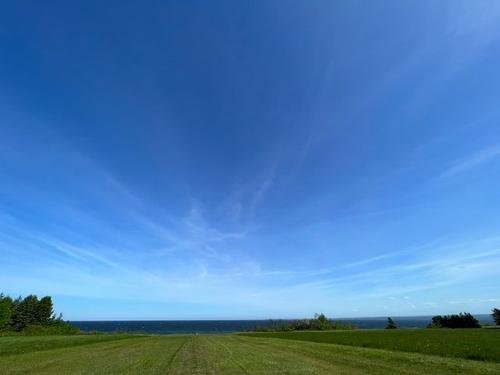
(25, 344)
(214, 354)
(479, 344)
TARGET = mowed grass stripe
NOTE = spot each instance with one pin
(151, 354)
(276, 357)
(331, 358)
(231, 354)
(476, 344)
(229, 358)
(192, 358)
(10, 345)
(174, 354)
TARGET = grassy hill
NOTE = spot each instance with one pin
(220, 354)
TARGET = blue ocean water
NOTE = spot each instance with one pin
(227, 326)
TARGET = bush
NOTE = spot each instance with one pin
(63, 328)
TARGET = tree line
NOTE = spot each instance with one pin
(461, 320)
(319, 323)
(31, 315)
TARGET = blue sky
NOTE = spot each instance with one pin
(186, 160)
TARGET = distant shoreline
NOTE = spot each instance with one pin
(227, 325)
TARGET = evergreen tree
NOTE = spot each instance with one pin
(495, 313)
(390, 324)
(462, 320)
(25, 312)
(31, 314)
(322, 322)
(45, 310)
(5, 311)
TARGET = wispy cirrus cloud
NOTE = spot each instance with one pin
(222, 207)
(477, 159)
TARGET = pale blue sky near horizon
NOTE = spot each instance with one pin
(246, 160)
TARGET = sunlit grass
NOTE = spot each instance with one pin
(478, 344)
(215, 354)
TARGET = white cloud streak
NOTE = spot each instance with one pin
(475, 160)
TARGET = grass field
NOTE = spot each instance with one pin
(25, 344)
(214, 354)
(479, 344)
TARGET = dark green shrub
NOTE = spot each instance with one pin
(62, 328)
